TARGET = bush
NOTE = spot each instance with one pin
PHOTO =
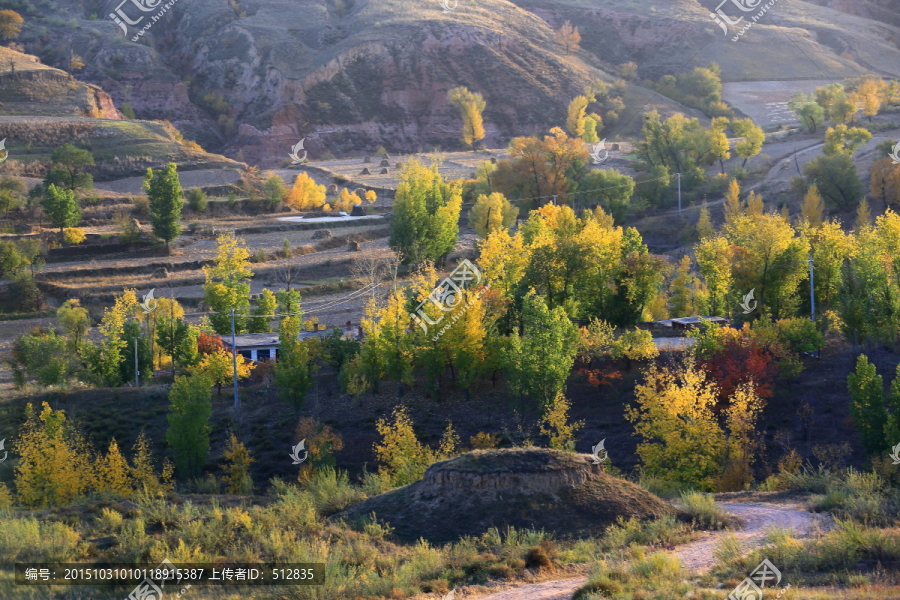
(73, 235)
(332, 492)
(141, 205)
(197, 200)
(23, 540)
(703, 511)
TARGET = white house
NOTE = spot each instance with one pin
(264, 346)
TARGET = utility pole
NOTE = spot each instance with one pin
(679, 193)
(137, 373)
(554, 199)
(812, 290)
(237, 400)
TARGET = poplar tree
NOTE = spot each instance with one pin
(164, 190)
(190, 407)
(867, 407)
(470, 105)
(425, 224)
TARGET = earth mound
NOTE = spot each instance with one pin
(562, 493)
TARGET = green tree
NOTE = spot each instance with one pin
(68, 164)
(836, 178)
(164, 190)
(12, 191)
(197, 200)
(867, 407)
(471, 106)
(753, 139)
(293, 369)
(227, 284)
(593, 124)
(492, 212)
(178, 339)
(44, 357)
(266, 305)
(61, 208)
(540, 361)
(719, 145)
(610, 189)
(425, 224)
(680, 144)
(892, 425)
(654, 186)
(810, 114)
(132, 335)
(75, 321)
(190, 408)
(845, 140)
(274, 190)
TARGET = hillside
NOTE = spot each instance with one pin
(349, 76)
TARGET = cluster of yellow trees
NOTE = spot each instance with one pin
(306, 194)
(57, 466)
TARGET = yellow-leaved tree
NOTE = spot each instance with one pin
(346, 201)
(491, 213)
(503, 260)
(143, 469)
(558, 428)
(305, 194)
(470, 105)
(54, 460)
(237, 467)
(683, 442)
(113, 475)
(219, 367)
(403, 456)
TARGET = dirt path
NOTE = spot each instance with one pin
(696, 556)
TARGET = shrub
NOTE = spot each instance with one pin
(703, 511)
(331, 491)
(73, 235)
(23, 540)
(197, 200)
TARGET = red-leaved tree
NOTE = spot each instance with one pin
(743, 359)
(209, 343)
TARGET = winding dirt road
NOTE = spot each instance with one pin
(697, 556)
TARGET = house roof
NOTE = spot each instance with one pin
(268, 340)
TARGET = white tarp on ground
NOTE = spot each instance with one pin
(664, 344)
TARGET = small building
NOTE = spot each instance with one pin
(694, 322)
(264, 346)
